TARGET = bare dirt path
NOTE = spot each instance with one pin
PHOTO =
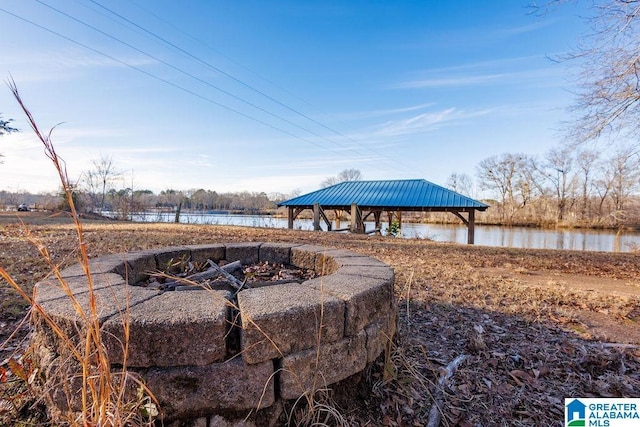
(598, 324)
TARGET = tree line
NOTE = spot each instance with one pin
(566, 187)
(569, 186)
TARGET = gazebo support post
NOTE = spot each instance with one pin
(316, 217)
(376, 216)
(470, 223)
(357, 226)
(324, 218)
(293, 212)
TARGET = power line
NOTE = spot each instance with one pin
(184, 72)
(149, 74)
(237, 80)
(181, 88)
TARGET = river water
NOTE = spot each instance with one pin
(515, 237)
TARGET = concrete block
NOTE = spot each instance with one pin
(310, 370)
(246, 253)
(110, 301)
(172, 329)
(197, 391)
(201, 253)
(50, 289)
(172, 259)
(365, 300)
(304, 256)
(103, 264)
(348, 260)
(137, 266)
(385, 272)
(326, 260)
(379, 335)
(279, 320)
(276, 253)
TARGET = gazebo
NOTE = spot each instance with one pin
(363, 199)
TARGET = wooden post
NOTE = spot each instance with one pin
(290, 218)
(324, 218)
(316, 216)
(400, 220)
(357, 224)
(376, 216)
(354, 218)
(177, 217)
(471, 226)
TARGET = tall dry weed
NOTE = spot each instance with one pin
(101, 392)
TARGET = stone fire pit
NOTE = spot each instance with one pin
(207, 353)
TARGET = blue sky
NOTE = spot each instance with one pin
(277, 95)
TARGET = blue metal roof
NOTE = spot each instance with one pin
(409, 194)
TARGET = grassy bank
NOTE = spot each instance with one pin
(536, 325)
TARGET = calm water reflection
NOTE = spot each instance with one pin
(524, 237)
(516, 237)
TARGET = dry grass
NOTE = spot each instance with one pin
(95, 395)
(537, 345)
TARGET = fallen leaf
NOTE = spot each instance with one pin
(17, 368)
(521, 377)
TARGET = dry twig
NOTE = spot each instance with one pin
(435, 414)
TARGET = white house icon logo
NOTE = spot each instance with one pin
(575, 414)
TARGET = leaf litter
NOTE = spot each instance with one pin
(528, 347)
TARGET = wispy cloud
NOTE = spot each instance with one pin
(359, 115)
(63, 63)
(509, 62)
(425, 122)
(481, 35)
(450, 81)
(524, 29)
(200, 161)
(505, 72)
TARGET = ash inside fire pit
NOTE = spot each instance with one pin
(183, 275)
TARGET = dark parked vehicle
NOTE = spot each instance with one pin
(23, 208)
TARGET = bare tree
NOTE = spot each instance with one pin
(99, 179)
(586, 161)
(558, 167)
(345, 175)
(350, 175)
(329, 181)
(603, 185)
(609, 63)
(199, 200)
(624, 169)
(513, 177)
(460, 183)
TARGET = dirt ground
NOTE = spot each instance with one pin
(535, 326)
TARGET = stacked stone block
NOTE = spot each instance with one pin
(294, 337)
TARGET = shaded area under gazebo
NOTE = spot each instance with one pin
(369, 199)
